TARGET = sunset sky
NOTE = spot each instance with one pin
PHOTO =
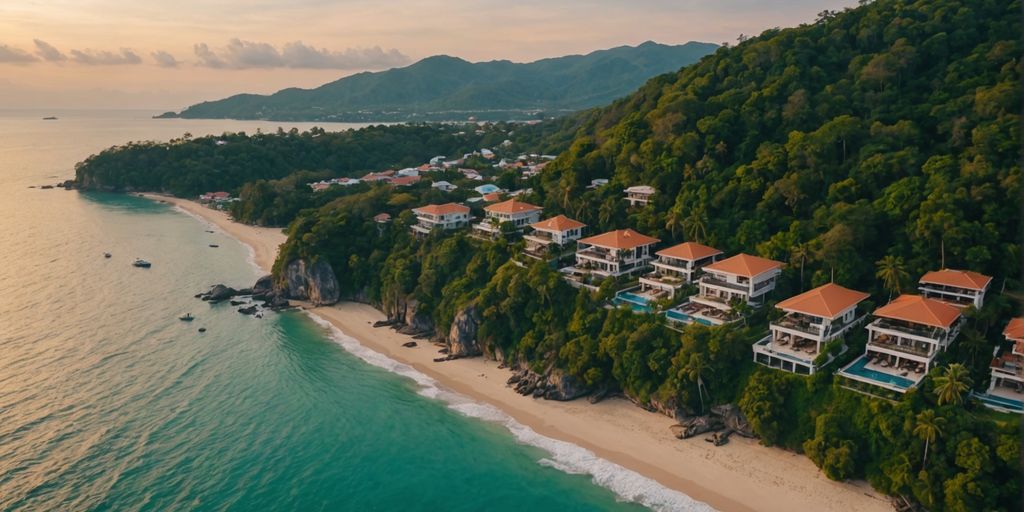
(163, 54)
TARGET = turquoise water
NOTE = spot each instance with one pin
(108, 402)
(859, 367)
(683, 317)
(637, 303)
(1006, 403)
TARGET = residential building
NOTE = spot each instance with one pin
(382, 218)
(960, 288)
(1006, 389)
(639, 195)
(440, 217)
(513, 211)
(404, 181)
(742, 278)
(615, 253)
(903, 341)
(444, 186)
(552, 234)
(678, 265)
(812, 320)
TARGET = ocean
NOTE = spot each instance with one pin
(109, 402)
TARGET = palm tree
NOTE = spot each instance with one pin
(675, 220)
(951, 385)
(892, 272)
(606, 212)
(800, 252)
(696, 225)
(695, 370)
(928, 428)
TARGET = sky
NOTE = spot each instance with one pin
(166, 55)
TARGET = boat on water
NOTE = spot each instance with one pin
(141, 263)
(214, 246)
(50, 118)
(187, 317)
(106, 255)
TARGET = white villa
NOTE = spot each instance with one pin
(678, 265)
(1007, 386)
(444, 186)
(516, 212)
(742, 277)
(960, 288)
(812, 319)
(903, 341)
(439, 216)
(639, 195)
(556, 232)
(613, 254)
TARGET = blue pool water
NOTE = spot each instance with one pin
(635, 302)
(1006, 403)
(683, 317)
(859, 368)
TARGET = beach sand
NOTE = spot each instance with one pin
(739, 476)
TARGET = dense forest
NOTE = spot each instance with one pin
(880, 140)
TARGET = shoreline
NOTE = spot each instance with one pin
(741, 476)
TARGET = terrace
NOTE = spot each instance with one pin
(709, 279)
(698, 312)
(907, 346)
(884, 371)
(1008, 366)
(802, 323)
(1002, 400)
(784, 356)
(913, 329)
(662, 279)
(639, 301)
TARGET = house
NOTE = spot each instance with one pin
(487, 189)
(486, 153)
(378, 176)
(597, 183)
(678, 265)
(743, 278)
(437, 160)
(903, 341)
(513, 211)
(960, 288)
(493, 197)
(215, 197)
(404, 181)
(471, 174)
(639, 195)
(410, 171)
(320, 186)
(613, 254)
(439, 217)
(1006, 389)
(444, 186)
(812, 319)
(550, 235)
(382, 218)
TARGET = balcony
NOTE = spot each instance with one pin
(921, 331)
(1008, 365)
(909, 347)
(801, 323)
(714, 281)
(660, 279)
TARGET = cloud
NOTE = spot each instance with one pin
(164, 59)
(10, 54)
(105, 58)
(240, 54)
(48, 52)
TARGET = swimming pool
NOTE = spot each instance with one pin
(638, 308)
(1001, 402)
(859, 369)
(679, 316)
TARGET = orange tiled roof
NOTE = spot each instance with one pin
(690, 251)
(442, 209)
(493, 196)
(557, 223)
(620, 239)
(1015, 329)
(745, 265)
(512, 206)
(958, 278)
(402, 181)
(828, 301)
(920, 310)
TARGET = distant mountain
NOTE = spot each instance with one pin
(446, 88)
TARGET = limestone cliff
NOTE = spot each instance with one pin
(314, 282)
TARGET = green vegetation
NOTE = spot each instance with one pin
(443, 88)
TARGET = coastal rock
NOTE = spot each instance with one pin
(462, 335)
(263, 285)
(314, 282)
(409, 344)
(218, 293)
(250, 310)
(564, 387)
(734, 419)
(669, 407)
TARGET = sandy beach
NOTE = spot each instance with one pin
(740, 476)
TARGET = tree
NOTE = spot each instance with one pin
(696, 225)
(928, 428)
(892, 272)
(800, 252)
(951, 385)
(695, 370)
(675, 220)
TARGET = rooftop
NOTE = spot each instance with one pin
(441, 209)
(512, 206)
(640, 189)
(492, 197)
(557, 223)
(958, 278)
(620, 239)
(920, 310)
(1015, 329)
(744, 265)
(827, 301)
(690, 251)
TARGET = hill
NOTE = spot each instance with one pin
(446, 88)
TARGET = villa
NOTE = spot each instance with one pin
(513, 211)
(743, 278)
(678, 265)
(1006, 389)
(551, 235)
(960, 288)
(903, 341)
(812, 320)
(444, 186)
(639, 195)
(613, 254)
(442, 217)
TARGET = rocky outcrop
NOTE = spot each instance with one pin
(218, 293)
(314, 282)
(552, 385)
(669, 407)
(733, 419)
(722, 417)
(462, 340)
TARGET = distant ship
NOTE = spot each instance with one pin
(142, 263)
(50, 118)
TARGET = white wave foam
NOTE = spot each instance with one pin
(564, 456)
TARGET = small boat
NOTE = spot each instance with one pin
(106, 255)
(202, 329)
(141, 263)
(214, 246)
(187, 317)
(50, 118)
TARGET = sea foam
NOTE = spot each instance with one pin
(563, 456)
